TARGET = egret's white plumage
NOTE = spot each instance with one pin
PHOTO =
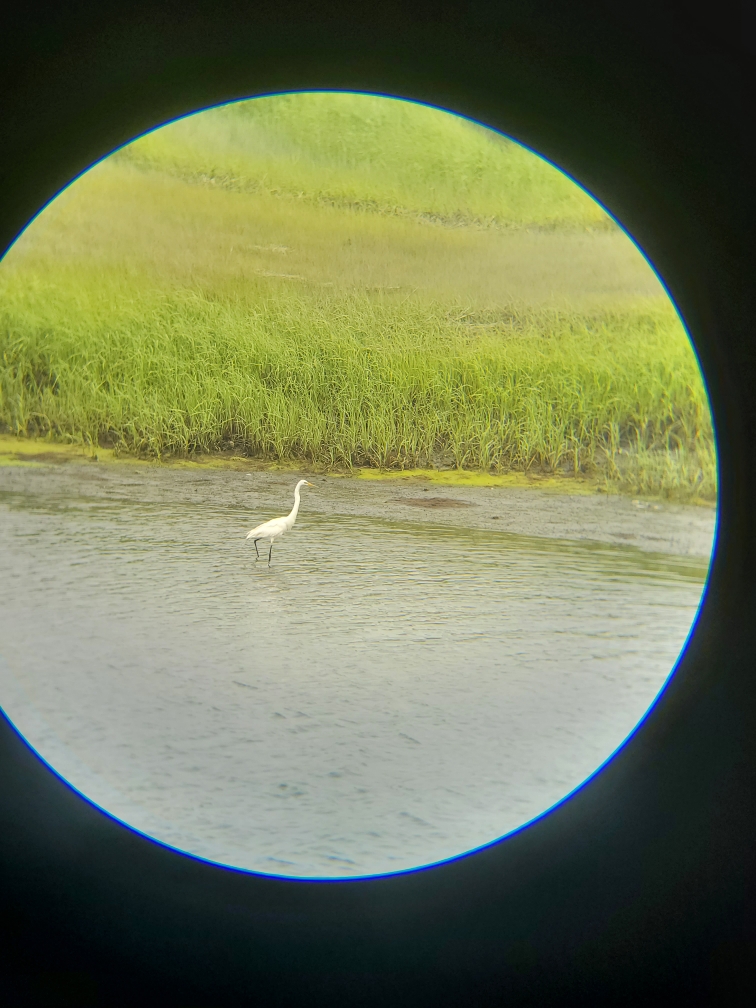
(276, 527)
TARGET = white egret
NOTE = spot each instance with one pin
(277, 527)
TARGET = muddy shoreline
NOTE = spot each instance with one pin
(658, 527)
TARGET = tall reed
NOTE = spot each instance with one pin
(349, 280)
(352, 381)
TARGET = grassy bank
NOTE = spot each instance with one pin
(372, 154)
(159, 310)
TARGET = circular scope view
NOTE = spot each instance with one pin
(357, 479)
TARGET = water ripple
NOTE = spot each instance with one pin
(386, 695)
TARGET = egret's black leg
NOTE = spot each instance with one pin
(257, 551)
(270, 554)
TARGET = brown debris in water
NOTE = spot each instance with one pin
(432, 502)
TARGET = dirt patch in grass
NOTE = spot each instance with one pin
(41, 457)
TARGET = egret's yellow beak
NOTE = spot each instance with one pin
(310, 484)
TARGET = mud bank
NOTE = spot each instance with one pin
(552, 508)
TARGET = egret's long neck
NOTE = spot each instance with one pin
(293, 512)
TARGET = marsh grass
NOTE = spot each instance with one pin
(353, 382)
(369, 153)
(156, 311)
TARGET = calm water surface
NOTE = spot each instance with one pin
(386, 695)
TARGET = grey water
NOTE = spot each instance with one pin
(387, 694)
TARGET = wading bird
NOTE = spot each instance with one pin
(276, 527)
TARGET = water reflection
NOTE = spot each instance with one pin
(388, 694)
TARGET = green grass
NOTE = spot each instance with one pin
(371, 153)
(353, 282)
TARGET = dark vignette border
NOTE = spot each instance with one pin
(639, 889)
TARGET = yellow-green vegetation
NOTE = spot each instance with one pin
(465, 478)
(24, 451)
(371, 154)
(352, 282)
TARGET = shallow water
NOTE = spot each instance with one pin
(387, 694)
